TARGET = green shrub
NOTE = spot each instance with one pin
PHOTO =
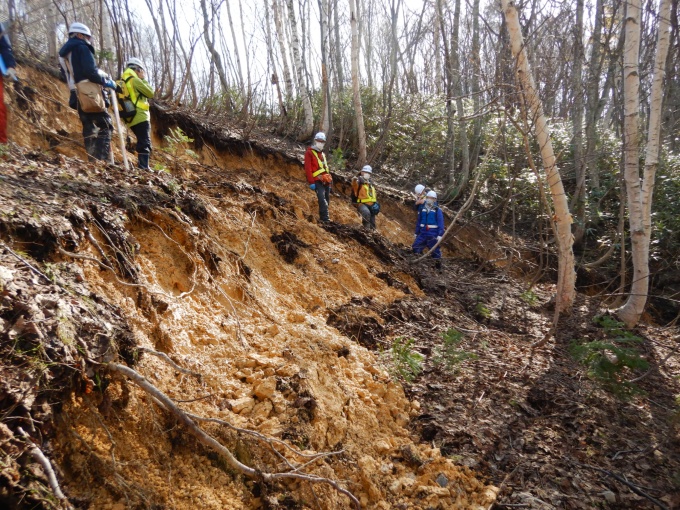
(405, 363)
(609, 359)
(449, 354)
(178, 145)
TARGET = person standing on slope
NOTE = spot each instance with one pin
(364, 197)
(139, 92)
(7, 65)
(429, 227)
(86, 82)
(318, 175)
(420, 193)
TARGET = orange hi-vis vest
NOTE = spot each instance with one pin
(323, 165)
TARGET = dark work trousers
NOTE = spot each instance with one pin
(367, 216)
(427, 240)
(142, 132)
(323, 195)
(97, 129)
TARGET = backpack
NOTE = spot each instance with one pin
(126, 108)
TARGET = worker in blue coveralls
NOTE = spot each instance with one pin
(429, 227)
(420, 193)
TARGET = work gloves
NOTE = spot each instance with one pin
(12, 74)
(312, 186)
(109, 83)
(439, 238)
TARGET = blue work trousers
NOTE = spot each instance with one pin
(427, 240)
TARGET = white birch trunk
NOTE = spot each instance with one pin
(239, 71)
(308, 125)
(280, 34)
(640, 193)
(326, 101)
(566, 280)
(361, 134)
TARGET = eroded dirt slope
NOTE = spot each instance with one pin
(225, 270)
(220, 263)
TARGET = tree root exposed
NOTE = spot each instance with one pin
(169, 361)
(209, 441)
(39, 456)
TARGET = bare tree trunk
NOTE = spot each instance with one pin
(325, 88)
(458, 91)
(579, 199)
(368, 42)
(593, 97)
(437, 53)
(450, 156)
(216, 59)
(239, 72)
(566, 280)
(475, 88)
(361, 134)
(394, 50)
(161, 37)
(249, 89)
(281, 36)
(338, 47)
(640, 198)
(308, 126)
(270, 56)
(309, 82)
(52, 30)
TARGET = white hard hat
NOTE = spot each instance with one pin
(419, 189)
(79, 28)
(320, 136)
(431, 194)
(367, 169)
(134, 61)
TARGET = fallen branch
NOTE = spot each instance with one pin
(94, 242)
(269, 440)
(32, 268)
(630, 485)
(209, 441)
(169, 361)
(39, 456)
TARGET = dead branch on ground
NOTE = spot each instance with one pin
(169, 361)
(209, 441)
(39, 456)
(637, 490)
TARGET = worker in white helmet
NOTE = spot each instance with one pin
(364, 197)
(429, 227)
(319, 175)
(86, 82)
(420, 193)
(135, 111)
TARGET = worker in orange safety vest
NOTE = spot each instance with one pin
(318, 175)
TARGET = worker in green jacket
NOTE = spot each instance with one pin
(140, 92)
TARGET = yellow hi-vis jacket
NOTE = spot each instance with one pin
(140, 92)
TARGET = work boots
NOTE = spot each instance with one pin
(143, 161)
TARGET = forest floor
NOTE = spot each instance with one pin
(220, 263)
